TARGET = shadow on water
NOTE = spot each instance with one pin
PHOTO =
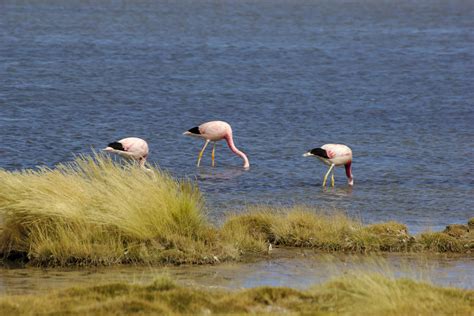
(284, 267)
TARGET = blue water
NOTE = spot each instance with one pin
(391, 79)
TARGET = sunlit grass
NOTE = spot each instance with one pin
(301, 226)
(97, 211)
(359, 294)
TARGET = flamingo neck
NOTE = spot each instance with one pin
(350, 178)
(230, 143)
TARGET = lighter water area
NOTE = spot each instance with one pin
(291, 268)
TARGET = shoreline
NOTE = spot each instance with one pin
(72, 216)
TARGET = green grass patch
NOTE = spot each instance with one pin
(359, 294)
(95, 211)
(301, 226)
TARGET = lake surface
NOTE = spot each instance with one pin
(391, 79)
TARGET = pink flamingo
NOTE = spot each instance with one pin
(215, 131)
(130, 148)
(334, 155)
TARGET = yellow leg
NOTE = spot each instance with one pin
(327, 174)
(202, 152)
(213, 153)
(332, 177)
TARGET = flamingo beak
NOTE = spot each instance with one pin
(187, 133)
(307, 154)
(108, 149)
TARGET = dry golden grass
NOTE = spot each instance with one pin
(96, 211)
(361, 294)
(301, 226)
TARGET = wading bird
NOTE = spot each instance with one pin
(215, 131)
(334, 155)
(130, 148)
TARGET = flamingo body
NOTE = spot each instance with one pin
(130, 148)
(334, 155)
(215, 131)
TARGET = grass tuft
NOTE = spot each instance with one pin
(95, 211)
(300, 226)
(440, 242)
(456, 230)
(470, 223)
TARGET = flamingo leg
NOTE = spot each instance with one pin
(327, 174)
(213, 153)
(202, 152)
(332, 177)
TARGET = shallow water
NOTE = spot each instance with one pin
(291, 268)
(392, 79)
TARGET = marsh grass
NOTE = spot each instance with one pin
(300, 226)
(359, 294)
(94, 211)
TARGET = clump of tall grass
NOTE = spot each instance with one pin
(301, 226)
(440, 242)
(358, 294)
(454, 238)
(96, 211)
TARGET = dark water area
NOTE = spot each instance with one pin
(391, 79)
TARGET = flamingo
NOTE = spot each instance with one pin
(334, 155)
(215, 131)
(130, 148)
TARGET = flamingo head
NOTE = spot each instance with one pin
(193, 132)
(350, 177)
(115, 146)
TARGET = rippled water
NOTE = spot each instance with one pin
(392, 79)
(296, 269)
